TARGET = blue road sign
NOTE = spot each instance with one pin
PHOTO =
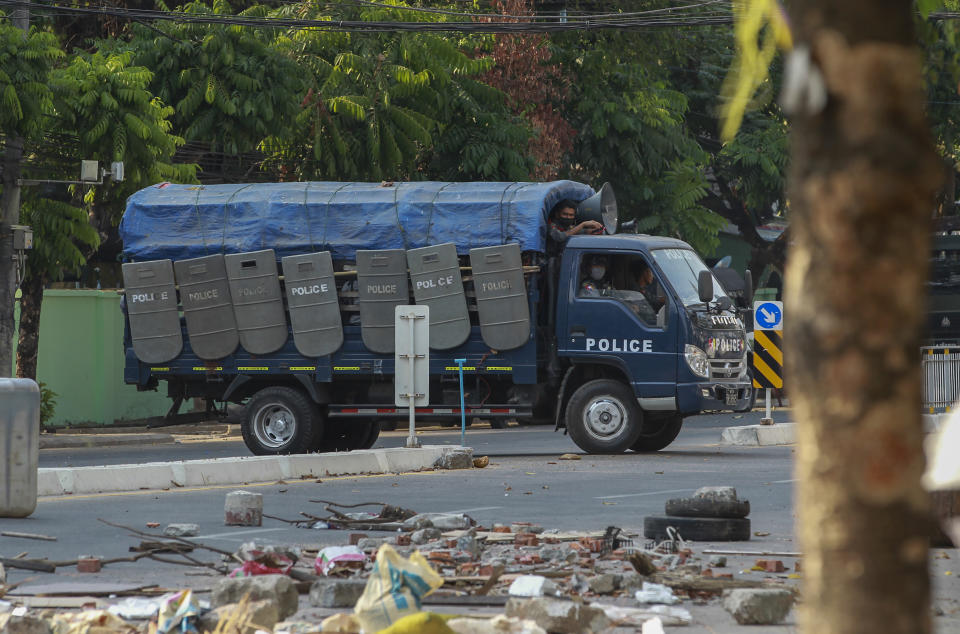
(768, 315)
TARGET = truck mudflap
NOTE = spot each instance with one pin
(151, 303)
(435, 274)
(207, 309)
(257, 301)
(312, 303)
(382, 280)
(367, 411)
(501, 296)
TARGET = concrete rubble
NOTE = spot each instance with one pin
(527, 578)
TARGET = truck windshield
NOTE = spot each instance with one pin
(682, 266)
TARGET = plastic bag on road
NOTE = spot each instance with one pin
(395, 588)
(333, 556)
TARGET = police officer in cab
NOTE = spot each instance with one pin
(596, 282)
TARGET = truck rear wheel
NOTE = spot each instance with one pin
(603, 417)
(280, 420)
(658, 431)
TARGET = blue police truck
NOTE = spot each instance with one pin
(281, 297)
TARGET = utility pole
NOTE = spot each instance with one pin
(10, 215)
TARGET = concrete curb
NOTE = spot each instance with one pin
(758, 435)
(238, 471)
(73, 441)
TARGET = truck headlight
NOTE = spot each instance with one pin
(697, 360)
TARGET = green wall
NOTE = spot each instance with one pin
(81, 359)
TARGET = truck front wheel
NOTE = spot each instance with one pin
(658, 431)
(603, 417)
(280, 420)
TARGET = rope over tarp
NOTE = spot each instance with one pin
(178, 222)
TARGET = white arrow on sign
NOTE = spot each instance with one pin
(767, 315)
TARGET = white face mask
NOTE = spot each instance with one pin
(597, 272)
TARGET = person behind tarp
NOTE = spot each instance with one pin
(596, 283)
(563, 222)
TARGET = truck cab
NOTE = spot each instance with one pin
(642, 346)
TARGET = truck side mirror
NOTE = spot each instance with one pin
(748, 289)
(705, 286)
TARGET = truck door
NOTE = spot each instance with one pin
(618, 313)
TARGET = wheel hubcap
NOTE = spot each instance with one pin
(274, 425)
(605, 417)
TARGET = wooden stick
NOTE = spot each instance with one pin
(28, 536)
(486, 587)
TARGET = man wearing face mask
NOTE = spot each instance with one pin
(563, 223)
(596, 283)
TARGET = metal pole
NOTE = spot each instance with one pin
(412, 440)
(768, 420)
(463, 411)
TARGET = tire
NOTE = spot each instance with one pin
(603, 417)
(657, 431)
(703, 507)
(347, 435)
(372, 435)
(280, 420)
(698, 529)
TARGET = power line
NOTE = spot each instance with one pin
(495, 23)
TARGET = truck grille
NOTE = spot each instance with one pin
(725, 369)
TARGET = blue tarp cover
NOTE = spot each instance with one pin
(187, 221)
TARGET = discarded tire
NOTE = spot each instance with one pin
(698, 529)
(706, 507)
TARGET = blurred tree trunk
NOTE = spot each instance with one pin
(28, 344)
(863, 181)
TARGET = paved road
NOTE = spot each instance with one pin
(524, 482)
(513, 441)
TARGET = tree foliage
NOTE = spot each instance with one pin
(394, 106)
(25, 62)
(536, 88)
(229, 86)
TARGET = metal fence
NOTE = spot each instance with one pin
(941, 377)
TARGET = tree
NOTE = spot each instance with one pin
(25, 102)
(536, 89)
(229, 86)
(632, 132)
(395, 106)
(102, 110)
(862, 182)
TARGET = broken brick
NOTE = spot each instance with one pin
(769, 565)
(403, 539)
(501, 529)
(796, 566)
(88, 564)
(525, 539)
(706, 572)
(356, 537)
(469, 568)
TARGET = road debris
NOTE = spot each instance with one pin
(243, 508)
(28, 536)
(539, 579)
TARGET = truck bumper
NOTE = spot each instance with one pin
(696, 397)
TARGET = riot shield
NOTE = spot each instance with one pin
(501, 296)
(382, 282)
(257, 302)
(205, 297)
(312, 303)
(152, 310)
(435, 275)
